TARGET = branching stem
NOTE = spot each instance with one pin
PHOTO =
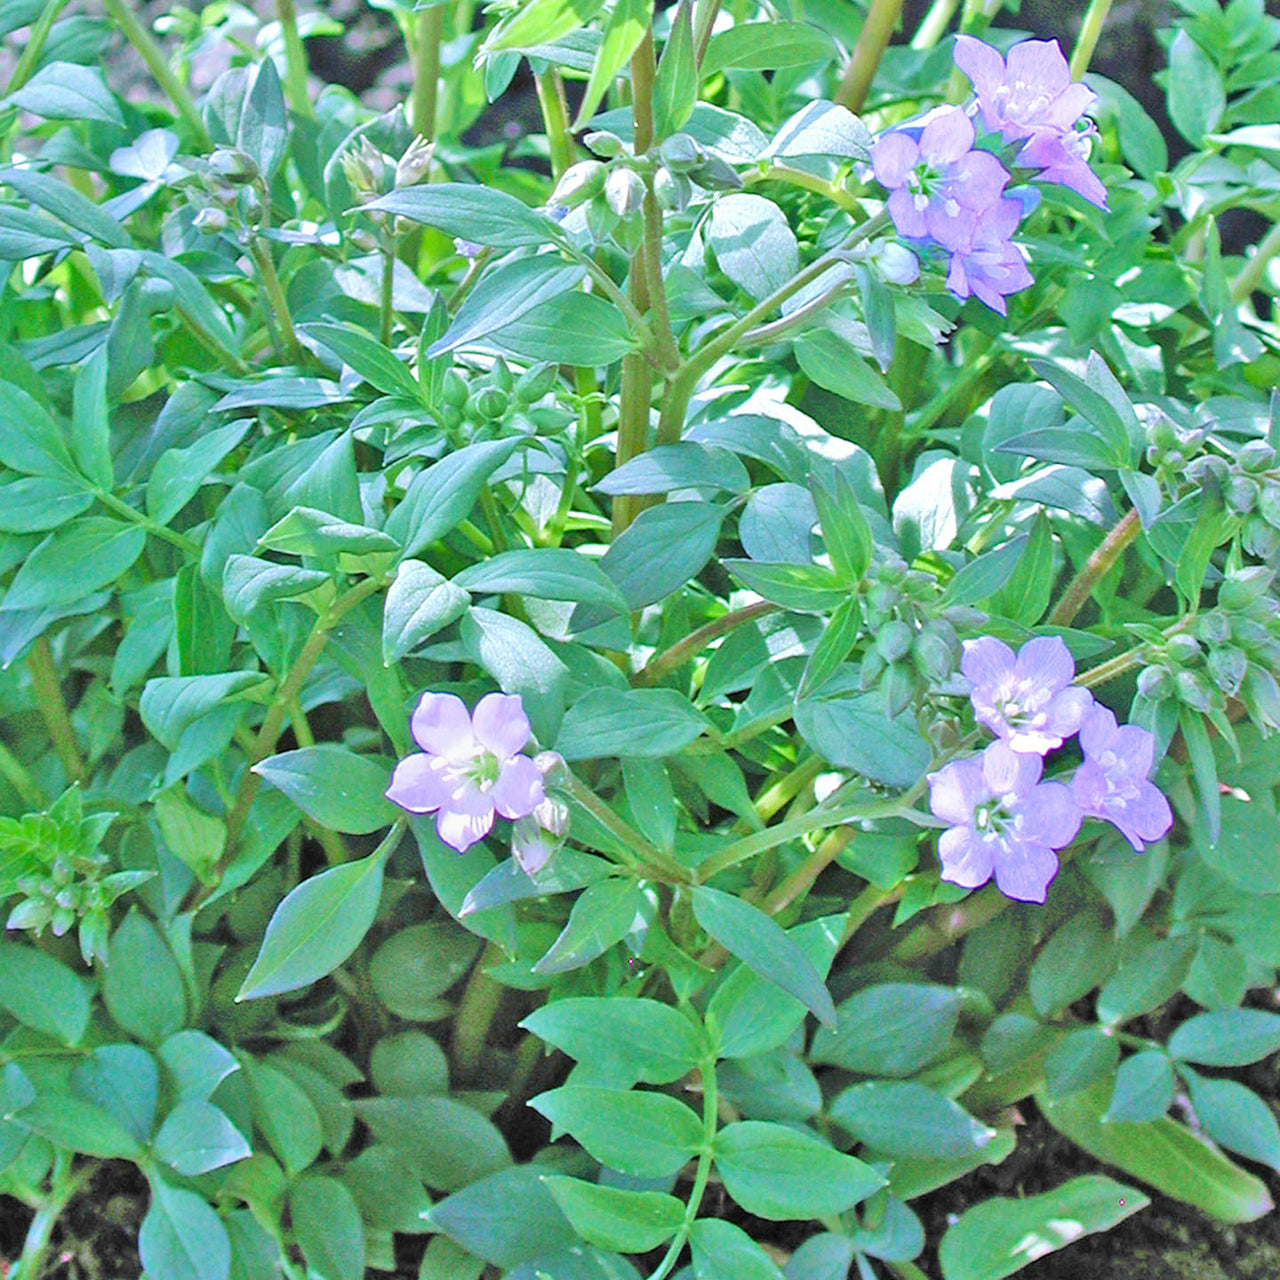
(1098, 565)
(53, 708)
(682, 651)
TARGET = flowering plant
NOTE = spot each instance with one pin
(644, 698)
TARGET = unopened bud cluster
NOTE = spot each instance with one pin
(500, 403)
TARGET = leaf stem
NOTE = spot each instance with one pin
(476, 1010)
(53, 708)
(1255, 268)
(682, 651)
(861, 71)
(427, 34)
(663, 866)
(1098, 565)
(275, 297)
(15, 774)
(40, 29)
(555, 120)
(295, 60)
(386, 291)
(814, 182)
(125, 17)
(651, 260)
(64, 1183)
(933, 26)
(1087, 40)
(132, 514)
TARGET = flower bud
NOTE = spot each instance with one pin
(364, 240)
(1213, 628)
(535, 382)
(964, 617)
(896, 263)
(680, 153)
(933, 656)
(601, 220)
(415, 162)
(366, 169)
(624, 190)
(1206, 467)
(1242, 587)
(1227, 667)
(873, 667)
(893, 641)
(715, 174)
(500, 374)
(603, 143)
(455, 389)
(1193, 690)
(898, 687)
(1256, 455)
(1155, 683)
(210, 221)
(555, 773)
(1240, 495)
(1182, 648)
(672, 189)
(488, 404)
(232, 165)
(579, 182)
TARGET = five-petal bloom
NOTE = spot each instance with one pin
(1112, 782)
(1004, 821)
(1026, 698)
(470, 766)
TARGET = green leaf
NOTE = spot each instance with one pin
(1081, 1058)
(446, 1144)
(834, 646)
(504, 295)
(803, 588)
(171, 704)
(766, 46)
(1146, 978)
(182, 1238)
(1143, 1089)
(1099, 400)
(316, 927)
(142, 986)
(194, 837)
(748, 1017)
(644, 1135)
(389, 1196)
(124, 1081)
(441, 497)
(372, 361)
(845, 531)
(678, 466)
(417, 965)
(42, 993)
(890, 1029)
(854, 733)
(905, 1118)
(65, 91)
(196, 1063)
(573, 327)
(834, 365)
(753, 243)
(643, 723)
(419, 603)
(987, 574)
(722, 1251)
(73, 562)
(263, 134)
(481, 214)
(196, 1137)
(1235, 1118)
(778, 1173)
(179, 473)
(60, 200)
(308, 532)
(1227, 1037)
(1000, 1236)
(78, 1126)
(621, 1039)
(624, 1221)
(541, 22)
(1025, 595)
(521, 662)
(249, 583)
(1074, 961)
(1163, 1153)
(602, 916)
(761, 944)
(35, 504)
(623, 30)
(662, 549)
(675, 91)
(548, 573)
(336, 787)
(90, 425)
(822, 129)
(1197, 96)
(1204, 767)
(327, 1225)
(283, 1113)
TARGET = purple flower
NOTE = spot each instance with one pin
(1025, 698)
(987, 264)
(1112, 782)
(1032, 97)
(470, 767)
(1004, 821)
(937, 183)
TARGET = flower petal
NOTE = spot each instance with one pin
(1024, 871)
(416, 786)
(893, 156)
(1097, 729)
(987, 662)
(1009, 772)
(500, 724)
(1066, 711)
(966, 859)
(957, 789)
(1051, 815)
(442, 725)
(981, 63)
(1136, 746)
(946, 138)
(1040, 65)
(465, 819)
(1047, 661)
(518, 790)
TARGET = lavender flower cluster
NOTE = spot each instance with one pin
(947, 184)
(1005, 819)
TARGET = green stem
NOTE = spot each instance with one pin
(428, 32)
(861, 71)
(275, 297)
(662, 664)
(40, 29)
(555, 119)
(1087, 40)
(1251, 274)
(701, 1173)
(634, 400)
(785, 789)
(53, 708)
(124, 14)
(607, 285)
(704, 21)
(386, 292)
(132, 514)
(15, 774)
(644, 72)
(651, 258)
(64, 1183)
(814, 182)
(476, 1011)
(802, 878)
(661, 866)
(1113, 668)
(946, 925)
(934, 24)
(295, 60)
(1095, 569)
(211, 340)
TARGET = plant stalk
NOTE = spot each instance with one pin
(1087, 41)
(124, 14)
(1095, 569)
(662, 664)
(861, 71)
(64, 1183)
(476, 1010)
(26, 64)
(15, 774)
(428, 32)
(295, 60)
(53, 708)
(386, 290)
(1253, 271)
(279, 306)
(555, 119)
(704, 21)
(933, 26)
